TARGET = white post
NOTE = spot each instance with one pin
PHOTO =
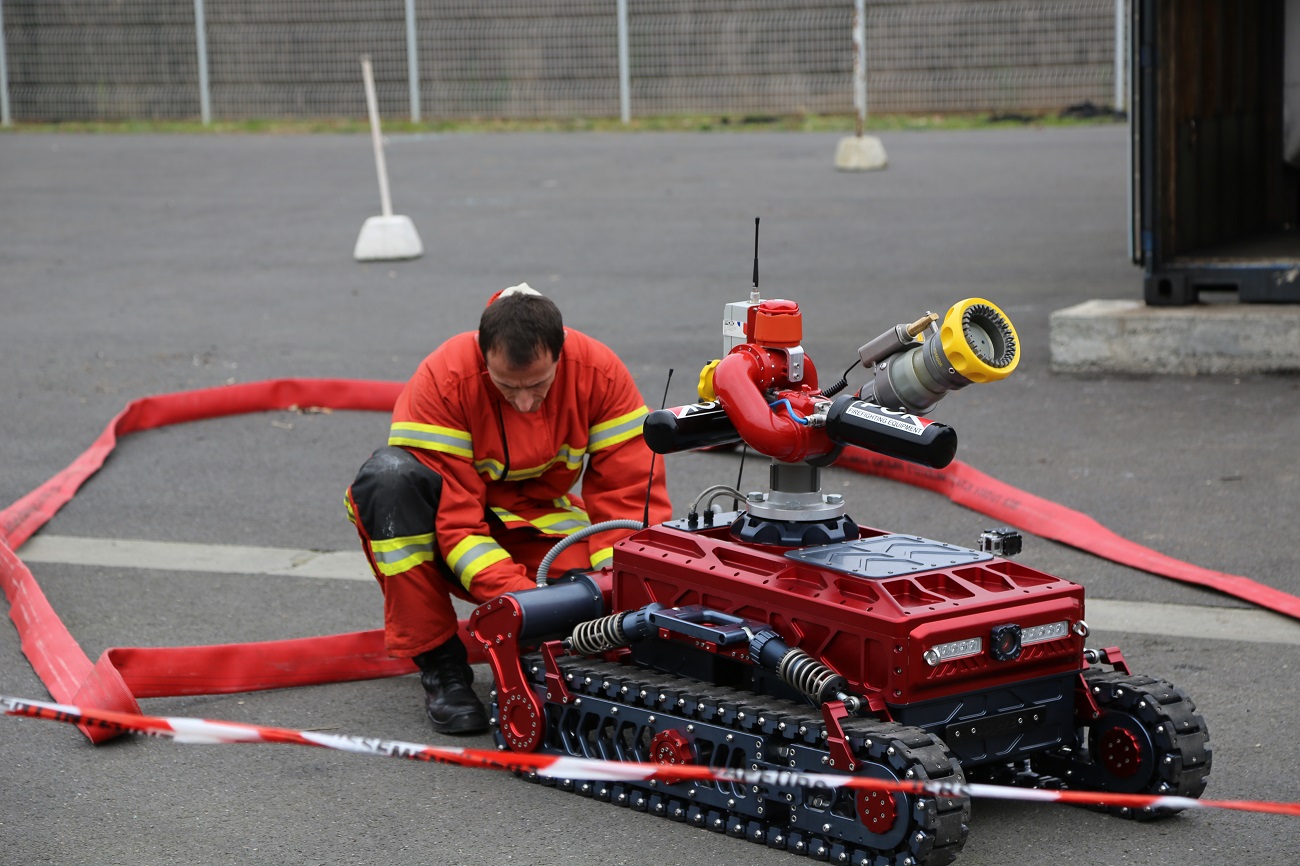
(376, 137)
(860, 62)
(388, 236)
(5, 118)
(860, 152)
(413, 61)
(624, 77)
(1121, 53)
(201, 38)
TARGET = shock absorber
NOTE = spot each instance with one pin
(598, 635)
(800, 670)
(611, 632)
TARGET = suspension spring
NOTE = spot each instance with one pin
(598, 635)
(810, 676)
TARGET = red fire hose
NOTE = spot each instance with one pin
(123, 675)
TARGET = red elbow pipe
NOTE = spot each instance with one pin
(740, 381)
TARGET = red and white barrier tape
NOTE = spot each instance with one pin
(204, 731)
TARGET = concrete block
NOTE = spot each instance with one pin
(1129, 337)
(385, 238)
(864, 153)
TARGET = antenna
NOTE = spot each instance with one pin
(740, 474)
(755, 258)
(650, 482)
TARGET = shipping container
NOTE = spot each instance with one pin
(1215, 121)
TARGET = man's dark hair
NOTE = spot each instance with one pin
(522, 326)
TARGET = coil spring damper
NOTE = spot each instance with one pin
(796, 668)
(611, 632)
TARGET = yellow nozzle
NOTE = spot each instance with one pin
(979, 341)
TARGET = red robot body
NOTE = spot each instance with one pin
(786, 639)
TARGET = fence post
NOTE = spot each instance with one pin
(5, 118)
(413, 61)
(860, 152)
(201, 40)
(624, 84)
(860, 63)
(1121, 53)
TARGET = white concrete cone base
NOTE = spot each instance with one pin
(860, 154)
(384, 238)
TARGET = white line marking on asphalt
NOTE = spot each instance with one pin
(1133, 617)
(211, 558)
(1243, 625)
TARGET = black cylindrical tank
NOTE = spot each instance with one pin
(682, 428)
(550, 612)
(851, 421)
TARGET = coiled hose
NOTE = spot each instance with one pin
(544, 566)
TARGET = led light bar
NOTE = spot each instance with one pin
(944, 652)
(1040, 633)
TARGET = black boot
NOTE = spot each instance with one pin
(451, 703)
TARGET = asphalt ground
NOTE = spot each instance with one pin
(137, 265)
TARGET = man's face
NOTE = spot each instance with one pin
(523, 387)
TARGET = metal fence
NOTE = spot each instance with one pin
(242, 59)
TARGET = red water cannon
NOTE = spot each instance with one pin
(765, 391)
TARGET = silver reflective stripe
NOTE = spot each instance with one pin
(389, 557)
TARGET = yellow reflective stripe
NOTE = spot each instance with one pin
(568, 455)
(565, 522)
(602, 557)
(507, 516)
(567, 504)
(616, 430)
(352, 514)
(396, 555)
(472, 555)
(493, 469)
(432, 438)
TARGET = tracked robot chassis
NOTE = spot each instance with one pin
(785, 639)
(629, 714)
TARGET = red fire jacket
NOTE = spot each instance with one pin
(522, 466)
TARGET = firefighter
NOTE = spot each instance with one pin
(473, 488)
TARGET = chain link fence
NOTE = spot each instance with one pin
(266, 59)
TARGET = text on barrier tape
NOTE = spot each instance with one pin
(203, 731)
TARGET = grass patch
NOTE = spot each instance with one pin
(685, 123)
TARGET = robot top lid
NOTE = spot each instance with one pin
(777, 323)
